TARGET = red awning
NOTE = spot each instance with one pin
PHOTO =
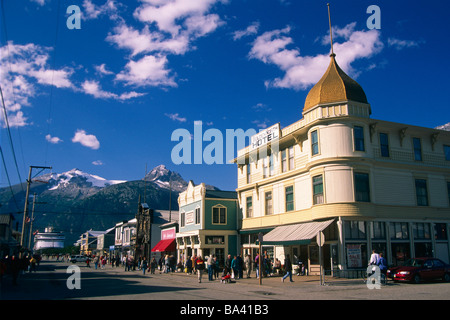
(165, 245)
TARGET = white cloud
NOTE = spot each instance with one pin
(97, 163)
(148, 71)
(39, 2)
(168, 13)
(14, 120)
(87, 140)
(93, 11)
(101, 69)
(93, 88)
(303, 71)
(261, 107)
(250, 30)
(402, 44)
(261, 124)
(145, 41)
(170, 27)
(23, 68)
(175, 117)
(54, 140)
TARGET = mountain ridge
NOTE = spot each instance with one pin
(75, 201)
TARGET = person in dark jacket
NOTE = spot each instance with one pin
(199, 266)
(288, 268)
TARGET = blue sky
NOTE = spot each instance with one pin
(106, 98)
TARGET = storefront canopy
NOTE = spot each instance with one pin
(165, 245)
(295, 234)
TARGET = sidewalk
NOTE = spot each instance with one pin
(275, 281)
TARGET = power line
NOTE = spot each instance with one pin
(53, 73)
(9, 181)
(9, 134)
(3, 101)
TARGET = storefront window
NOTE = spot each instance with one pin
(214, 239)
(380, 247)
(423, 249)
(400, 253)
(399, 231)
(422, 231)
(356, 255)
(378, 230)
(355, 230)
(440, 231)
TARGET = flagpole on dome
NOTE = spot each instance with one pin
(331, 30)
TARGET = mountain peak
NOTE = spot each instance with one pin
(79, 178)
(165, 178)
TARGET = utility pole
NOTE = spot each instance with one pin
(32, 218)
(170, 198)
(25, 211)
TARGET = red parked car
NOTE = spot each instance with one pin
(418, 269)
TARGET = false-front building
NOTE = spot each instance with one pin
(208, 223)
(367, 184)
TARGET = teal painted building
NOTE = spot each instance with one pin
(208, 223)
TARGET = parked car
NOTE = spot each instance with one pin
(420, 269)
(78, 258)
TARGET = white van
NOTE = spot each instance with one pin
(78, 258)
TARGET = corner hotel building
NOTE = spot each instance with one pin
(366, 183)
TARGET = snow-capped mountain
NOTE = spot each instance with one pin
(76, 201)
(164, 178)
(77, 177)
(445, 127)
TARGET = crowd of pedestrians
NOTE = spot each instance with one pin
(229, 269)
(14, 265)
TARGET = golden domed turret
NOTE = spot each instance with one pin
(335, 86)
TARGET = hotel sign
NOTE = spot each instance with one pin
(265, 136)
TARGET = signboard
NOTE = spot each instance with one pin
(167, 234)
(265, 136)
(190, 217)
(354, 258)
(320, 239)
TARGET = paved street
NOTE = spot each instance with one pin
(50, 283)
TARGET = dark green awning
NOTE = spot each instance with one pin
(255, 231)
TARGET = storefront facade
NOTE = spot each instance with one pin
(384, 185)
(208, 223)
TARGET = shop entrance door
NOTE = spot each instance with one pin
(220, 255)
(314, 261)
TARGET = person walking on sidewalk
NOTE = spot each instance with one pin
(210, 265)
(199, 266)
(288, 268)
(144, 265)
(248, 264)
